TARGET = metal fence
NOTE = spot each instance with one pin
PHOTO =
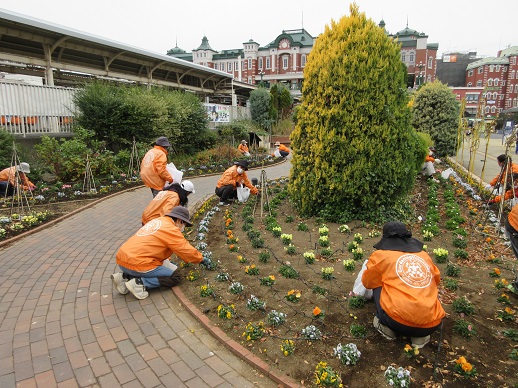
(35, 110)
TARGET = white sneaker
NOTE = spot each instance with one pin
(120, 283)
(136, 287)
(385, 331)
(419, 342)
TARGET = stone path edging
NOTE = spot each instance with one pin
(232, 345)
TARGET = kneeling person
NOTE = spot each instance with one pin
(141, 257)
(404, 281)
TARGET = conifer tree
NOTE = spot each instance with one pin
(355, 151)
(436, 111)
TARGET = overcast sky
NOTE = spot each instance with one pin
(478, 25)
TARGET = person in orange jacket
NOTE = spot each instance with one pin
(405, 283)
(511, 228)
(283, 150)
(142, 256)
(243, 148)
(153, 169)
(8, 179)
(233, 178)
(171, 196)
(508, 170)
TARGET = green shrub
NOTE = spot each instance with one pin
(462, 305)
(452, 270)
(288, 272)
(357, 302)
(464, 328)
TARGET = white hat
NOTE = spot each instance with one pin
(243, 141)
(188, 186)
(24, 167)
(277, 143)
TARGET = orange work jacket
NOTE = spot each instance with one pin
(231, 177)
(159, 206)
(9, 174)
(282, 147)
(153, 243)
(512, 170)
(513, 217)
(243, 148)
(409, 286)
(153, 168)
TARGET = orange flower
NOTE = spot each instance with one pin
(408, 348)
(461, 360)
(231, 246)
(496, 270)
(316, 311)
(466, 367)
(509, 310)
(488, 240)
(229, 232)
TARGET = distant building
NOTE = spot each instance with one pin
(283, 59)
(451, 68)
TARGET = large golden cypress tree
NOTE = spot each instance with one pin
(355, 152)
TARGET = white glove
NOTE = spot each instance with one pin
(437, 160)
(489, 187)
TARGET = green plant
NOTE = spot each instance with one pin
(276, 318)
(512, 334)
(357, 302)
(287, 347)
(441, 255)
(357, 253)
(347, 354)
(290, 249)
(462, 305)
(464, 368)
(206, 290)
(514, 354)
(347, 107)
(352, 245)
(286, 238)
(399, 377)
(327, 273)
(302, 227)
(504, 299)
(254, 303)
(277, 231)
(349, 265)
(236, 288)
(257, 243)
(226, 311)
(325, 376)
(459, 242)
(326, 252)
(268, 280)
(311, 333)
(358, 331)
(309, 257)
(507, 314)
(319, 290)
(253, 332)
(288, 272)
(464, 328)
(251, 270)
(451, 284)
(264, 257)
(289, 219)
(452, 270)
(461, 254)
(222, 277)
(293, 296)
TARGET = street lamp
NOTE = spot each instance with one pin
(261, 73)
(420, 76)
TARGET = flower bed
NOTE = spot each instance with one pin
(308, 300)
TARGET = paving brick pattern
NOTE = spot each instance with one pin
(62, 324)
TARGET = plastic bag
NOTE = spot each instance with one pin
(359, 288)
(446, 173)
(277, 153)
(167, 263)
(243, 193)
(175, 173)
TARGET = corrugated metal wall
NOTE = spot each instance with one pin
(31, 109)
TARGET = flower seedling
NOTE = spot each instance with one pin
(254, 303)
(226, 311)
(504, 299)
(206, 290)
(464, 328)
(327, 273)
(276, 318)
(309, 257)
(293, 296)
(325, 376)
(251, 270)
(323, 241)
(358, 238)
(411, 352)
(287, 347)
(318, 313)
(451, 284)
(286, 238)
(508, 314)
(264, 257)
(268, 280)
(357, 302)
(495, 273)
(344, 229)
(311, 333)
(193, 276)
(288, 272)
(358, 331)
(236, 288)
(464, 368)
(463, 306)
(399, 377)
(253, 332)
(441, 255)
(222, 277)
(349, 265)
(347, 354)
(452, 270)
(290, 249)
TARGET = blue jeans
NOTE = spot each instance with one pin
(149, 278)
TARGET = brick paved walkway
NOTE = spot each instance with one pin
(62, 323)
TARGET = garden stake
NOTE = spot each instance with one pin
(134, 163)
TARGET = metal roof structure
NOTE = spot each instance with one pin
(65, 57)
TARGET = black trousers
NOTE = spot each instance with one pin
(405, 330)
(226, 192)
(6, 188)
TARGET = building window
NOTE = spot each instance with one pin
(215, 66)
(470, 73)
(495, 96)
(487, 109)
(260, 63)
(513, 60)
(511, 76)
(491, 68)
(430, 63)
(470, 84)
(303, 60)
(249, 80)
(403, 57)
(479, 83)
(497, 67)
(243, 65)
(250, 63)
(516, 88)
(229, 66)
(490, 82)
(267, 62)
(411, 58)
(285, 62)
(235, 65)
(480, 70)
(496, 81)
(493, 109)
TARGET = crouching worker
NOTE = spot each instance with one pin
(141, 257)
(233, 177)
(171, 196)
(404, 281)
(511, 229)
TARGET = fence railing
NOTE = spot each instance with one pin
(33, 109)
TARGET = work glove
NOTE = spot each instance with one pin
(437, 160)
(206, 262)
(489, 187)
